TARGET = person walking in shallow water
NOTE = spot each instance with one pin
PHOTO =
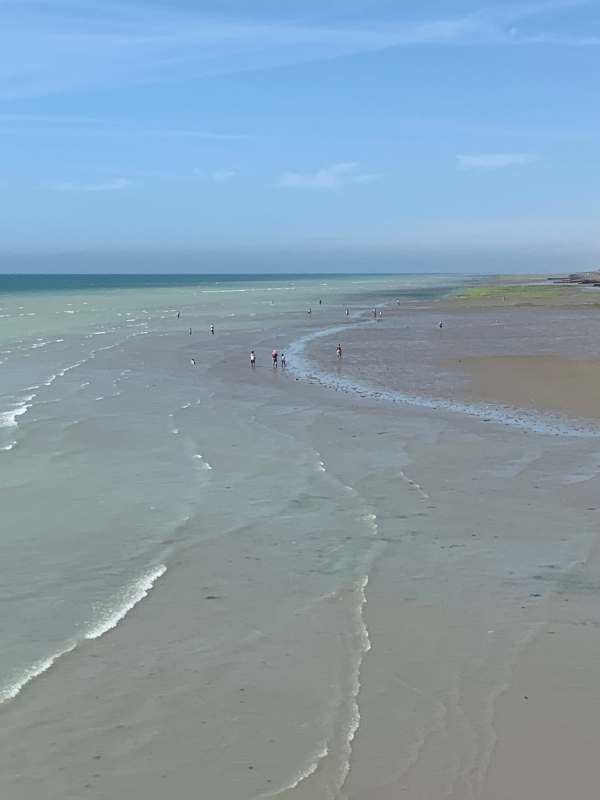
(283, 361)
(252, 359)
(190, 331)
(338, 352)
(212, 330)
(274, 356)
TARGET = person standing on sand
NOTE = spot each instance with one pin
(252, 359)
(274, 357)
(212, 330)
(338, 352)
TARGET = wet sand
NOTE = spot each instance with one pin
(515, 708)
(545, 382)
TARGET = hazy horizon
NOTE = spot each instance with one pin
(296, 263)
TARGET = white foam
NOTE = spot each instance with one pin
(8, 419)
(131, 596)
(414, 484)
(312, 767)
(9, 446)
(10, 691)
(63, 372)
(365, 646)
(371, 520)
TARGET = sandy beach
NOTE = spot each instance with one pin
(372, 598)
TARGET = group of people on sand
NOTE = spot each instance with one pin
(274, 358)
(277, 359)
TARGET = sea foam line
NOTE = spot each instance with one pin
(414, 485)
(548, 424)
(128, 600)
(365, 647)
(8, 419)
(302, 776)
(109, 619)
(14, 688)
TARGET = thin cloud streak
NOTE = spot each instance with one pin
(493, 161)
(48, 125)
(331, 177)
(116, 185)
(50, 48)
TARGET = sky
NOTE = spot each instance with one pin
(250, 135)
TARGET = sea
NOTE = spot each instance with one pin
(100, 475)
(187, 544)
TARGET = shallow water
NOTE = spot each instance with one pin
(230, 578)
(98, 467)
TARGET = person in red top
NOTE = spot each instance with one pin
(274, 356)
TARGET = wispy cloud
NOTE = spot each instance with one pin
(45, 125)
(216, 176)
(491, 161)
(115, 185)
(50, 47)
(331, 177)
(223, 175)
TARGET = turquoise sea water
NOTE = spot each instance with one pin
(94, 477)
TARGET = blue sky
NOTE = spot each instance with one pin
(434, 135)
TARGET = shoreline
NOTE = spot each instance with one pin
(539, 420)
(346, 601)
